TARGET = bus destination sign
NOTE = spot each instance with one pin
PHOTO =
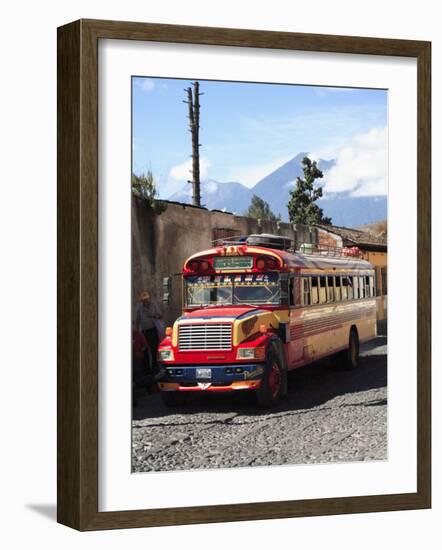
(233, 262)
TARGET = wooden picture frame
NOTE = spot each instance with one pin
(78, 274)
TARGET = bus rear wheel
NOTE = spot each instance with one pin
(272, 384)
(351, 355)
(348, 359)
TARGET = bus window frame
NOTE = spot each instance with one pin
(284, 279)
(336, 287)
(324, 288)
(332, 294)
(372, 285)
(291, 292)
(316, 278)
(367, 286)
(306, 278)
(356, 286)
(343, 299)
(361, 287)
(348, 287)
(353, 280)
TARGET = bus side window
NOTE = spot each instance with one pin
(291, 290)
(330, 290)
(367, 286)
(322, 290)
(356, 287)
(344, 288)
(315, 290)
(306, 291)
(372, 286)
(350, 288)
(337, 288)
(361, 287)
(384, 281)
(297, 291)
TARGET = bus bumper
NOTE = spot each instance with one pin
(210, 378)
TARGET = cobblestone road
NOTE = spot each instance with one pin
(329, 415)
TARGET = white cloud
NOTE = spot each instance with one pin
(211, 186)
(183, 172)
(145, 84)
(361, 166)
(325, 90)
(330, 150)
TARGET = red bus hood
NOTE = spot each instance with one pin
(245, 321)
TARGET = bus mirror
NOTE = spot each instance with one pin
(166, 290)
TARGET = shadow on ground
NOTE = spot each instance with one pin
(308, 387)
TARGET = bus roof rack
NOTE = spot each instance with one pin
(325, 250)
(238, 239)
(267, 240)
(281, 242)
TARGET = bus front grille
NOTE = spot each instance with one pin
(201, 337)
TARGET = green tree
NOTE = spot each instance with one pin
(301, 205)
(144, 188)
(260, 209)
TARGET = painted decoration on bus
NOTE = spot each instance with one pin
(252, 288)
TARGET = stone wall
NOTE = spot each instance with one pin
(161, 244)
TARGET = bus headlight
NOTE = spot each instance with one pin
(165, 355)
(250, 353)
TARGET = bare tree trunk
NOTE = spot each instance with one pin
(193, 101)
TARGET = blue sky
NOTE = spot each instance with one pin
(248, 130)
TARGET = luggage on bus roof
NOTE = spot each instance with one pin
(270, 241)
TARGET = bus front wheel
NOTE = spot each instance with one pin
(271, 388)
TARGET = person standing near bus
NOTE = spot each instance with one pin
(147, 313)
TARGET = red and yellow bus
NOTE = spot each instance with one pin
(254, 310)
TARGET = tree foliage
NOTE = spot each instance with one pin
(260, 209)
(301, 205)
(144, 188)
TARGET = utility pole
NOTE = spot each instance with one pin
(193, 101)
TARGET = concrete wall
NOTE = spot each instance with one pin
(161, 244)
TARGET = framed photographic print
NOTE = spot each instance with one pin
(234, 209)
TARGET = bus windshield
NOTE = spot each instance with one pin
(231, 289)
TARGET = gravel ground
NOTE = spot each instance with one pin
(329, 415)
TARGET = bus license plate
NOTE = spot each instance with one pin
(204, 373)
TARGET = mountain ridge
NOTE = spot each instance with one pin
(344, 209)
